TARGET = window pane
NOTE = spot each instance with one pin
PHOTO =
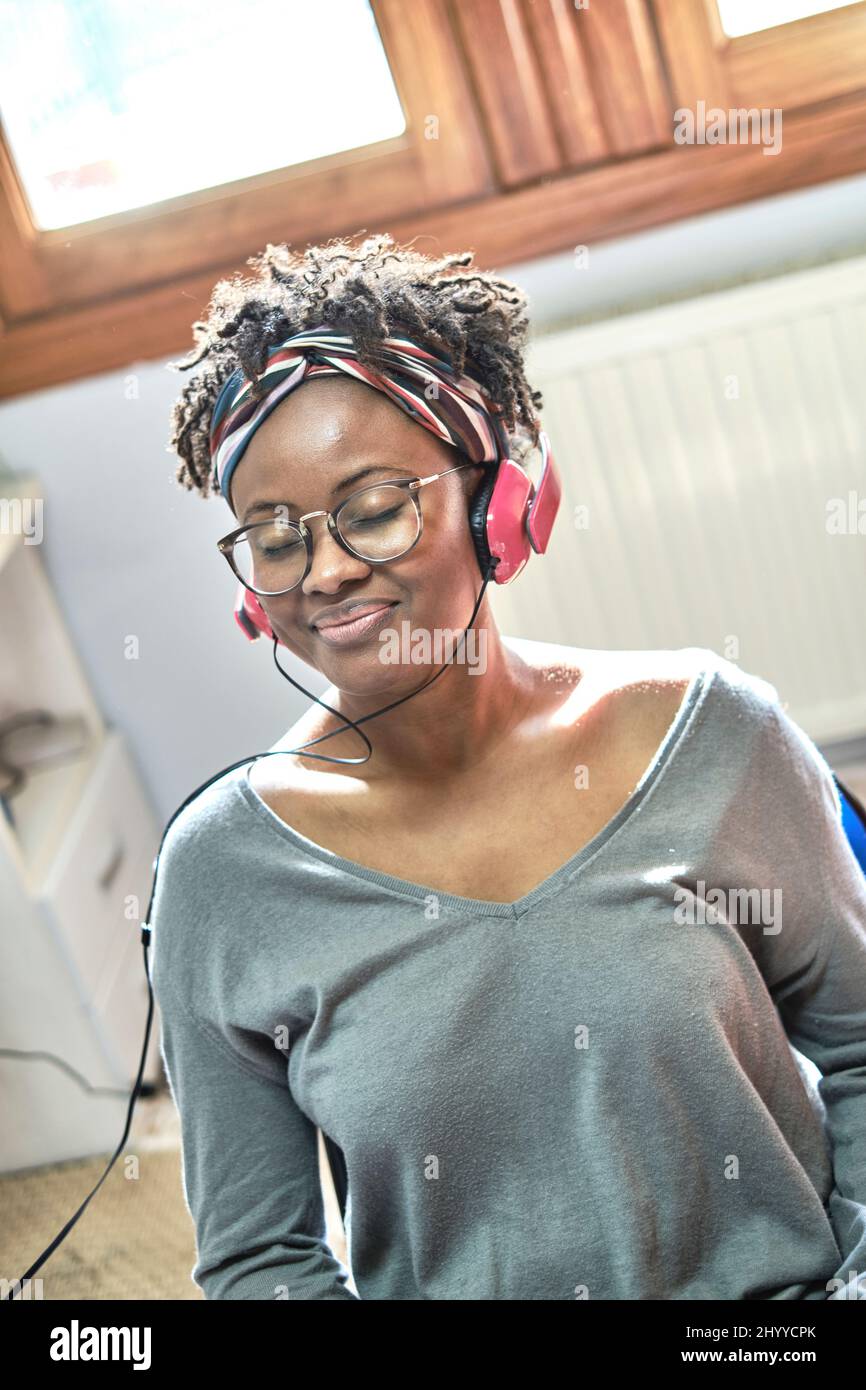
(748, 16)
(115, 104)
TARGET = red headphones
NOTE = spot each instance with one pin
(509, 518)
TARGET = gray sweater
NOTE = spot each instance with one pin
(597, 1091)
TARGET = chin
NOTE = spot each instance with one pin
(360, 673)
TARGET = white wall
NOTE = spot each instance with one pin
(201, 696)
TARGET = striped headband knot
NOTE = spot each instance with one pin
(458, 410)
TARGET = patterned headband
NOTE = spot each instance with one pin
(457, 409)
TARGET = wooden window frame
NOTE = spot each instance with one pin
(795, 65)
(565, 141)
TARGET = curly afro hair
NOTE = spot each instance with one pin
(369, 291)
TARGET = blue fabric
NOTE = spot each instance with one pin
(854, 829)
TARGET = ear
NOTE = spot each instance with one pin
(471, 478)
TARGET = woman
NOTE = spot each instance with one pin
(536, 965)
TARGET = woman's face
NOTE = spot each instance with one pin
(307, 455)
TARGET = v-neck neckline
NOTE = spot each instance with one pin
(693, 697)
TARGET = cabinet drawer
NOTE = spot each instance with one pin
(96, 891)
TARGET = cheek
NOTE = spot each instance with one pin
(449, 531)
(290, 628)
(442, 564)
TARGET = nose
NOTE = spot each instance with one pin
(331, 565)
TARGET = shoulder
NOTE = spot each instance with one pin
(189, 832)
(651, 678)
(741, 705)
(639, 692)
(651, 669)
(790, 783)
(645, 689)
(194, 872)
(781, 761)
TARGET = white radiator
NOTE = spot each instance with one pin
(706, 440)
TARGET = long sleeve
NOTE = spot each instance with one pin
(250, 1171)
(815, 963)
(249, 1152)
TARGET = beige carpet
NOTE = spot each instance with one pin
(135, 1239)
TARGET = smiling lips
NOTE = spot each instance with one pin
(336, 633)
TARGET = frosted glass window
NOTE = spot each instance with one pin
(748, 16)
(116, 104)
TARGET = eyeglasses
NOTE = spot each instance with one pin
(376, 524)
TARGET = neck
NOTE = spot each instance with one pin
(447, 728)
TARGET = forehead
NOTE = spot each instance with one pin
(321, 432)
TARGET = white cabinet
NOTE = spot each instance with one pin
(75, 875)
(95, 897)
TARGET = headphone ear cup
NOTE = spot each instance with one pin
(497, 519)
(478, 508)
(250, 616)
